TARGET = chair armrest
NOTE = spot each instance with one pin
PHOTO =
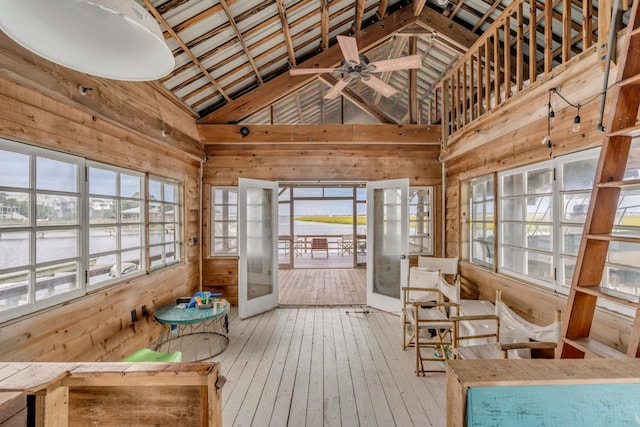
(476, 317)
(413, 288)
(528, 344)
(433, 304)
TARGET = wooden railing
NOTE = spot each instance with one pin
(499, 65)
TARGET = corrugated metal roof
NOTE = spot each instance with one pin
(244, 43)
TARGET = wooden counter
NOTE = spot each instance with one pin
(63, 394)
(608, 389)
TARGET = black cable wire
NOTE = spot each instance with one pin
(590, 100)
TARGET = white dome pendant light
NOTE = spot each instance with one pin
(115, 39)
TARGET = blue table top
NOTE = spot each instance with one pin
(171, 314)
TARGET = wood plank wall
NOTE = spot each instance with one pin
(307, 163)
(116, 123)
(516, 149)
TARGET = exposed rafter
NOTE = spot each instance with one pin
(186, 50)
(357, 25)
(282, 11)
(284, 84)
(352, 96)
(247, 52)
(324, 21)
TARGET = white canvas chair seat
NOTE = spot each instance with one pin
(514, 337)
(429, 319)
(426, 323)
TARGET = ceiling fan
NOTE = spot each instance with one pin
(356, 65)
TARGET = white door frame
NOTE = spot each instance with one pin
(252, 246)
(398, 249)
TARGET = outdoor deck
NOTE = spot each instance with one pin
(324, 366)
(341, 249)
(321, 286)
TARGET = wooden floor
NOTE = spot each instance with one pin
(322, 286)
(325, 367)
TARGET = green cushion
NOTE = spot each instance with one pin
(147, 355)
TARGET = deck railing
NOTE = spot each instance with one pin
(500, 65)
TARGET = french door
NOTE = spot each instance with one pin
(258, 246)
(388, 242)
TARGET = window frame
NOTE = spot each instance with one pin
(118, 224)
(228, 222)
(80, 286)
(176, 223)
(431, 218)
(484, 200)
(34, 229)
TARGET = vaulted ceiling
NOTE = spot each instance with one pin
(233, 56)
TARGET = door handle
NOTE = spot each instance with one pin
(403, 256)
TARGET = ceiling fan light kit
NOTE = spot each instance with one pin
(357, 66)
(115, 39)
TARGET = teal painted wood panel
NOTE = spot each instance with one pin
(584, 405)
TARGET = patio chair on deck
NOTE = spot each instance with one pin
(346, 244)
(319, 244)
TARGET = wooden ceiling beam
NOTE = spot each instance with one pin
(236, 30)
(360, 102)
(486, 15)
(456, 9)
(413, 84)
(211, 134)
(418, 5)
(170, 5)
(359, 12)
(284, 84)
(324, 20)
(446, 28)
(178, 40)
(382, 9)
(282, 11)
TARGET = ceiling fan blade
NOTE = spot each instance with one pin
(402, 63)
(349, 48)
(302, 71)
(379, 86)
(336, 89)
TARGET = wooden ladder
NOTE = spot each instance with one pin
(586, 286)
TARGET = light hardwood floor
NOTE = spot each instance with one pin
(325, 367)
(322, 286)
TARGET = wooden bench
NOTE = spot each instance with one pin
(61, 394)
(319, 244)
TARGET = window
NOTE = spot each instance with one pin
(480, 193)
(116, 223)
(68, 225)
(40, 227)
(224, 217)
(526, 223)
(421, 220)
(541, 215)
(165, 231)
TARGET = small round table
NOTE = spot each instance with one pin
(199, 333)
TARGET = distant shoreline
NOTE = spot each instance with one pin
(333, 219)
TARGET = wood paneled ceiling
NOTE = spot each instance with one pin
(233, 56)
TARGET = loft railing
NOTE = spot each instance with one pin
(499, 65)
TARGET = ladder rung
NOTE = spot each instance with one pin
(635, 31)
(594, 348)
(630, 81)
(610, 294)
(619, 184)
(631, 131)
(614, 238)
